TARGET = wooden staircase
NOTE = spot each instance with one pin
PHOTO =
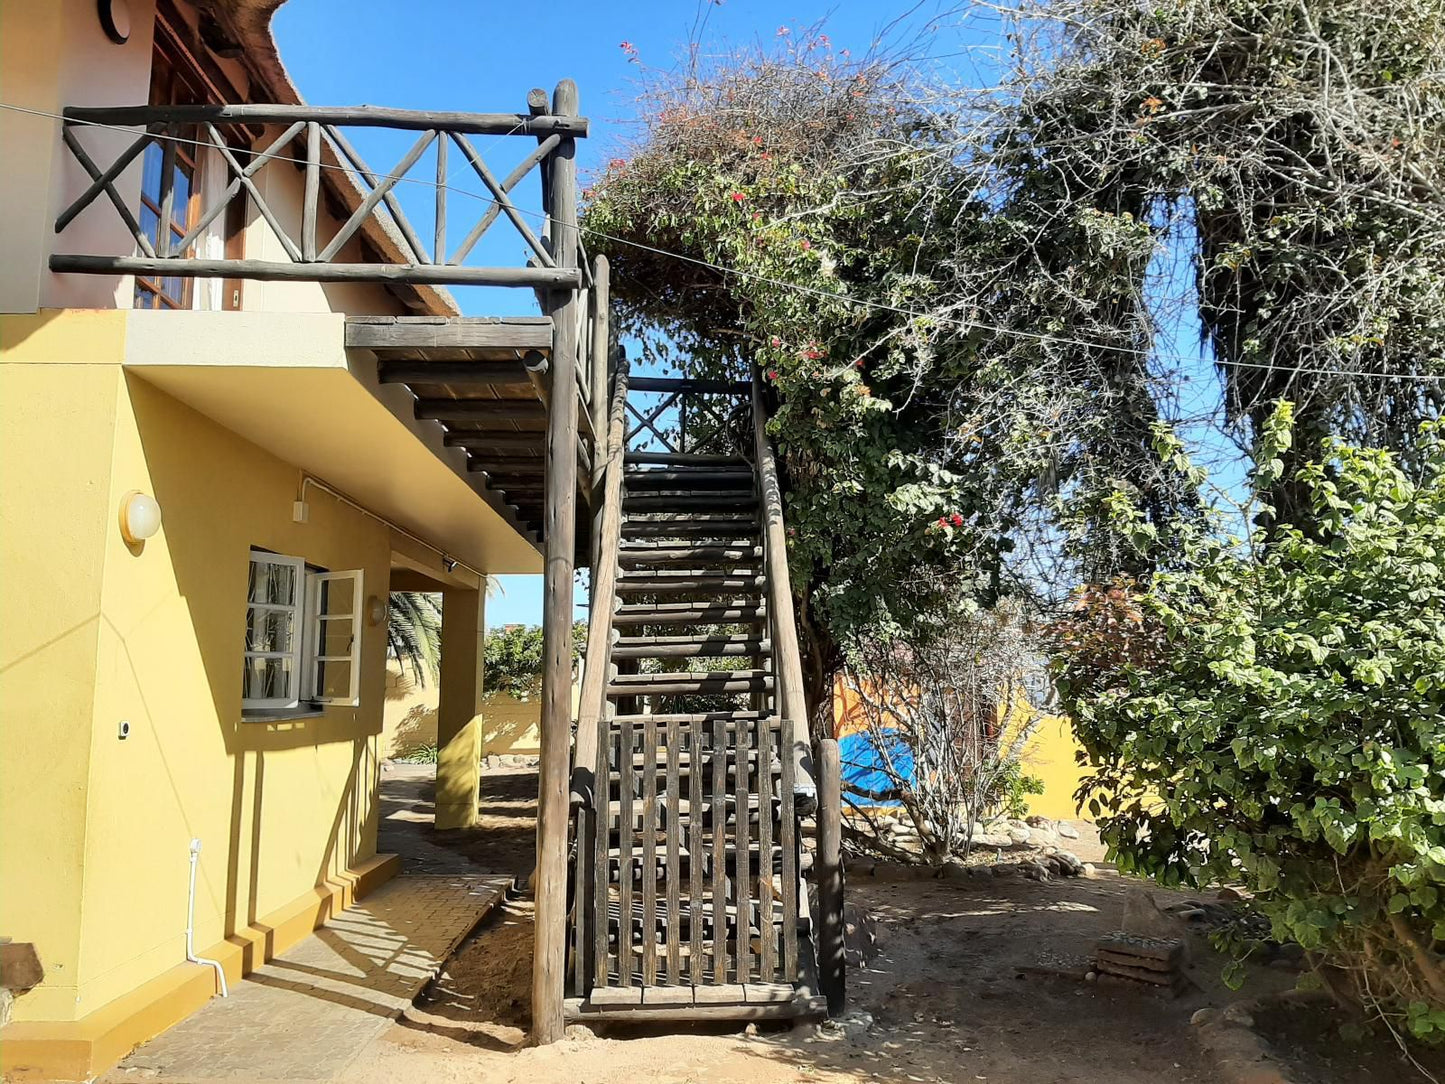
(692, 772)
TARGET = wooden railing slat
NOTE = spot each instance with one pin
(626, 744)
(695, 886)
(672, 808)
(768, 954)
(649, 852)
(741, 842)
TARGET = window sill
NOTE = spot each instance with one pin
(283, 715)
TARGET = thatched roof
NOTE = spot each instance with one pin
(241, 31)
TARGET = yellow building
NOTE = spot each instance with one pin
(219, 675)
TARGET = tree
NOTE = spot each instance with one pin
(1273, 712)
(414, 633)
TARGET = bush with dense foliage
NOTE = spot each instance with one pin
(1273, 713)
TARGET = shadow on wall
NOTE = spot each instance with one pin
(185, 641)
(410, 723)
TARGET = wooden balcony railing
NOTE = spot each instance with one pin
(311, 141)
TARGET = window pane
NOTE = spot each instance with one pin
(336, 637)
(267, 679)
(270, 630)
(333, 679)
(145, 297)
(150, 177)
(337, 597)
(150, 225)
(274, 583)
(175, 289)
(181, 200)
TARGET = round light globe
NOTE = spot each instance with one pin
(140, 516)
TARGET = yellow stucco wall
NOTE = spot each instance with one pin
(96, 829)
(509, 725)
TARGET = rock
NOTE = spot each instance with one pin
(1143, 918)
(991, 840)
(7, 1003)
(1035, 870)
(1018, 833)
(1067, 830)
(954, 870)
(1088, 870)
(1042, 837)
(1239, 1014)
(20, 967)
(1091, 976)
(1202, 1017)
(1069, 863)
(1229, 895)
(579, 1033)
(1004, 869)
(1040, 822)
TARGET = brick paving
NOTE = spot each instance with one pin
(308, 1013)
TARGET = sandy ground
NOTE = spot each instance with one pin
(951, 996)
(946, 994)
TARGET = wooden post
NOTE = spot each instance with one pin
(549, 962)
(832, 977)
(598, 365)
(313, 191)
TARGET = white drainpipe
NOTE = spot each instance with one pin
(191, 956)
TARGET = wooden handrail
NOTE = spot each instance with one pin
(787, 659)
(355, 116)
(598, 659)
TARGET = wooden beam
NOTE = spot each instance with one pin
(480, 409)
(359, 116)
(267, 271)
(549, 956)
(494, 373)
(832, 975)
(459, 438)
(520, 333)
(688, 384)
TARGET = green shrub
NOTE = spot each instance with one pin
(1273, 713)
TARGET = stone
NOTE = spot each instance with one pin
(1042, 837)
(1066, 830)
(579, 1033)
(1229, 895)
(751, 1031)
(7, 1003)
(1040, 822)
(1071, 866)
(1204, 1016)
(1143, 918)
(1239, 1013)
(991, 840)
(1035, 870)
(1089, 870)
(19, 966)
(1018, 833)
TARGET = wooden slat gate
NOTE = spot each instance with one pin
(690, 779)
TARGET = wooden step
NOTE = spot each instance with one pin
(640, 480)
(638, 556)
(679, 501)
(688, 614)
(683, 684)
(684, 459)
(696, 580)
(706, 718)
(674, 647)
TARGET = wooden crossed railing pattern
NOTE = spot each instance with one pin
(312, 140)
(689, 415)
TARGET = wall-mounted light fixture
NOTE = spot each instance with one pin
(114, 19)
(140, 517)
(375, 610)
(449, 563)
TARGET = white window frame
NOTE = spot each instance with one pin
(307, 638)
(297, 609)
(315, 626)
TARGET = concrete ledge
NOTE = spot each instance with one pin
(84, 1048)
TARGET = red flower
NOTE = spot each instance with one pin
(858, 364)
(812, 355)
(627, 47)
(773, 375)
(766, 157)
(738, 197)
(956, 520)
(757, 215)
(942, 522)
(617, 163)
(757, 141)
(776, 342)
(807, 245)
